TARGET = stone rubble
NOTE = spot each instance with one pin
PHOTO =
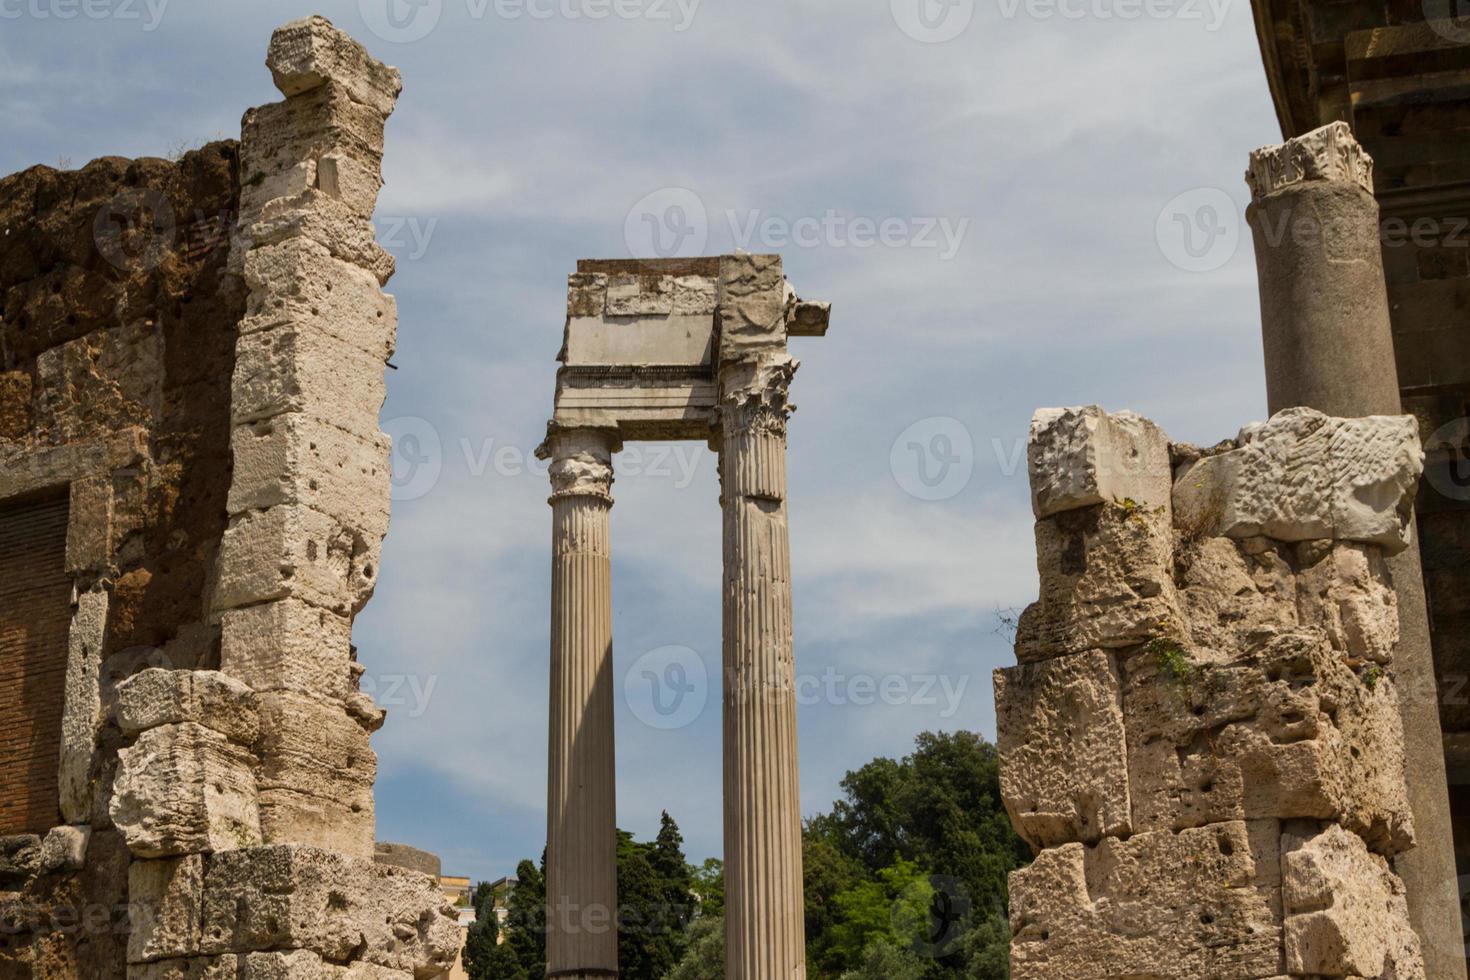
(1202, 737)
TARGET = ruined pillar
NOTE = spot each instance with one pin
(1201, 739)
(1329, 345)
(581, 835)
(764, 927)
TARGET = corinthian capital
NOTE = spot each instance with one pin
(754, 393)
(1328, 153)
(581, 461)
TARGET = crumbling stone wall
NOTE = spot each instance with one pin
(193, 361)
(1201, 739)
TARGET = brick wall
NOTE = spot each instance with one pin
(35, 610)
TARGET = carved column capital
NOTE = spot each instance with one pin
(755, 394)
(1329, 153)
(581, 462)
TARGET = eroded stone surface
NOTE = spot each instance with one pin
(288, 645)
(1283, 730)
(157, 697)
(1059, 730)
(1106, 582)
(1345, 910)
(167, 897)
(1303, 476)
(1084, 456)
(292, 896)
(1201, 903)
(295, 551)
(184, 789)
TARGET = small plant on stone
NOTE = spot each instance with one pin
(1173, 661)
(1371, 676)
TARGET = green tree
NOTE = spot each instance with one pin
(884, 961)
(709, 887)
(988, 948)
(485, 957)
(525, 918)
(935, 816)
(705, 957)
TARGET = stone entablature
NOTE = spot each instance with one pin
(1202, 738)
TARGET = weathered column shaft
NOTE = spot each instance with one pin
(765, 931)
(581, 836)
(1329, 345)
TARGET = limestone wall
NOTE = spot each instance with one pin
(1201, 739)
(193, 359)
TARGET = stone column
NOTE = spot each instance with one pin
(1329, 346)
(764, 927)
(581, 834)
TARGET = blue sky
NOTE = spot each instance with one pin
(1058, 186)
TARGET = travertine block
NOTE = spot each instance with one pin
(1346, 914)
(345, 823)
(352, 181)
(317, 218)
(1303, 476)
(157, 697)
(288, 645)
(83, 712)
(316, 774)
(694, 296)
(293, 551)
(184, 789)
(1232, 589)
(226, 967)
(65, 848)
(1083, 456)
(1345, 589)
(1063, 757)
(296, 459)
(306, 145)
(295, 368)
(1201, 903)
(640, 295)
(1106, 582)
(586, 294)
(752, 301)
(1284, 730)
(307, 53)
(295, 897)
(165, 909)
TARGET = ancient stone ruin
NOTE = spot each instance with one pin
(193, 493)
(1202, 738)
(1220, 691)
(677, 349)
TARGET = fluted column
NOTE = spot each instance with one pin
(581, 835)
(764, 928)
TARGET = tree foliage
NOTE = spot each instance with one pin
(905, 879)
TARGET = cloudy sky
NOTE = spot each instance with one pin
(1010, 204)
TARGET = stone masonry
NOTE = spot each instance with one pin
(201, 402)
(1202, 738)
